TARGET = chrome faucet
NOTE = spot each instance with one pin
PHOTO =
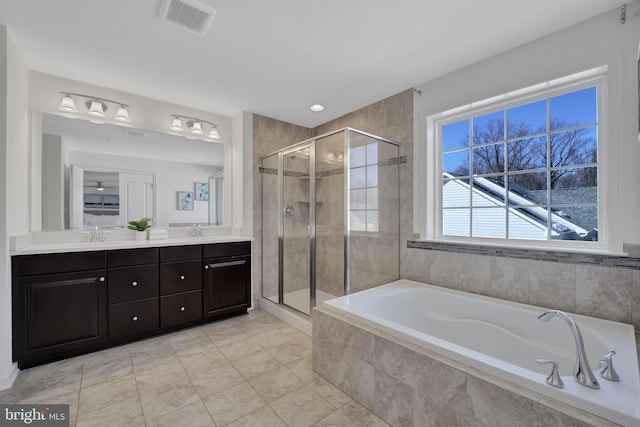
(582, 371)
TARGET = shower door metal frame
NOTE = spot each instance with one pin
(311, 228)
(347, 210)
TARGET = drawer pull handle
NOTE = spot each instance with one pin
(182, 309)
(134, 284)
(135, 318)
(101, 279)
(181, 277)
(206, 267)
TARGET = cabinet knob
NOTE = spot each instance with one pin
(101, 279)
(134, 283)
(182, 309)
(206, 267)
(182, 277)
(135, 318)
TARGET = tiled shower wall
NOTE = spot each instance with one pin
(269, 136)
(391, 118)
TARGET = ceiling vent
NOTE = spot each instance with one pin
(189, 14)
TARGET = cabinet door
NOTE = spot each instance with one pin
(59, 315)
(226, 285)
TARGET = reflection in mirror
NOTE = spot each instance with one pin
(101, 199)
(102, 175)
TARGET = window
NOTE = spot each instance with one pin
(363, 188)
(526, 169)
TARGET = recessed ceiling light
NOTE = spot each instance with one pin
(317, 107)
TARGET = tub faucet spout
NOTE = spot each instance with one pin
(582, 371)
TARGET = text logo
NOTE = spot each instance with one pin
(34, 415)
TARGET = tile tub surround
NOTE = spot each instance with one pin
(592, 285)
(252, 370)
(409, 386)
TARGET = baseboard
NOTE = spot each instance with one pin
(7, 382)
(286, 315)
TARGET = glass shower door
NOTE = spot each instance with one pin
(296, 228)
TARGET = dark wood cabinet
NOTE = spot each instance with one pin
(66, 304)
(58, 315)
(180, 286)
(226, 284)
(133, 292)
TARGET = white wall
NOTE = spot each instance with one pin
(35, 172)
(597, 41)
(52, 176)
(170, 178)
(242, 157)
(14, 137)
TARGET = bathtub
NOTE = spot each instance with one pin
(503, 339)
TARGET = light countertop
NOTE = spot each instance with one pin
(31, 248)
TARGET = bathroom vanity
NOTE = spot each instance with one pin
(68, 303)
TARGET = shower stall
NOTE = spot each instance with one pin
(330, 218)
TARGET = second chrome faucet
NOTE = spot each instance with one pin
(582, 371)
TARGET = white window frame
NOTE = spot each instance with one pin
(598, 77)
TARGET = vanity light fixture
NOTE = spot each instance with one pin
(96, 106)
(196, 126)
(176, 125)
(213, 133)
(68, 105)
(122, 115)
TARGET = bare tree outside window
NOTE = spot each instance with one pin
(541, 154)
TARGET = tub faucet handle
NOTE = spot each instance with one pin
(553, 379)
(606, 367)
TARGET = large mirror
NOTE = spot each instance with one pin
(103, 175)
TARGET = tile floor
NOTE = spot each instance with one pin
(252, 370)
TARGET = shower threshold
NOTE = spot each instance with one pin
(299, 300)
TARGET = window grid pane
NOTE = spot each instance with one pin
(526, 172)
(364, 215)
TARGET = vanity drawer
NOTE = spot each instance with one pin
(132, 283)
(180, 308)
(180, 253)
(127, 257)
(29, 265)
(217, 250)
(180, 277)
(133, 318)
